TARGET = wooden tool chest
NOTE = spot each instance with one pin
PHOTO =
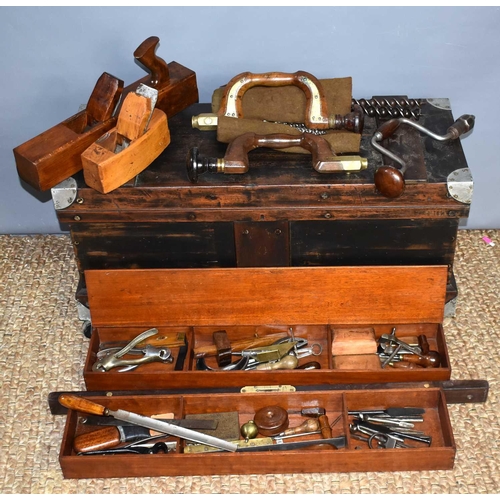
(280, 213)
(280, 250)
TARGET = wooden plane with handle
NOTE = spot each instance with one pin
(54, 155)
(139, 137)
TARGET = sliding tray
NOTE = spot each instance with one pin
(312, 303)
(351, 455)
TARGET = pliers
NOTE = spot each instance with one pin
(111, 358)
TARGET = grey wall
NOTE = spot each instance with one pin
(52, 57)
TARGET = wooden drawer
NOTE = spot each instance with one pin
(251, 302)
(356, 456)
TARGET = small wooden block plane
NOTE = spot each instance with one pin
(140, 135)
(54, 155)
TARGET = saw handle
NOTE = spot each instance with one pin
(316, 105)
(81, 404)
(145, 54)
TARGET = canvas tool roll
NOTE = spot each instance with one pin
(288, 104)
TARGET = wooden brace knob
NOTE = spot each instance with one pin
(389, 181)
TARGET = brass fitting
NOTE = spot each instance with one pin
(343, 163)
(205, 121)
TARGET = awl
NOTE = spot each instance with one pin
(86, 406)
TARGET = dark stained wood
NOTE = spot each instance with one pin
(288, 295)
(262, 244)
(161, 245)
(382, 242)
(455, 391)
(146, 56)
(389, 181)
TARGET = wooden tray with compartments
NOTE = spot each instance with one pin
(256, 302)
(352, 456)
(314, 302)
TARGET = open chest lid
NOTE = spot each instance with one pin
(251, 296)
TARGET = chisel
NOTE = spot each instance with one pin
(86, 406)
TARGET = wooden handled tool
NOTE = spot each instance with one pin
(86, 406)
(317, 110)
(309, 425)
(54, 155)
(236, 161)
(109, 437)
(51, 157)
(113, 435)
(389, 180)
(145, 55)
(240, 345)
(431, 359)
(320, 414)
(140, 135)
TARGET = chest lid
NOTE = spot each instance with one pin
(251, 296)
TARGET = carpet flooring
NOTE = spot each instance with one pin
(42, 350)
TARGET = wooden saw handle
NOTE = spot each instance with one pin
(316, 105)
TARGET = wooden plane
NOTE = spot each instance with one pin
(139, 137)
(47, 159)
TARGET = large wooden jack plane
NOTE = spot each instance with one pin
(55, 154)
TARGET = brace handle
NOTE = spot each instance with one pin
(389, 180)
(316, 107)
(236, 157)
(145, 54)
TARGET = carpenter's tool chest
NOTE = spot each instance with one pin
(280, 213)
(281, 251)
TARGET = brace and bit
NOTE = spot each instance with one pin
(150, 354)
(389, 180)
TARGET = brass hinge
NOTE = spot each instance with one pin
(268, 388)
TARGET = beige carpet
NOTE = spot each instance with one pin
(42, 350)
